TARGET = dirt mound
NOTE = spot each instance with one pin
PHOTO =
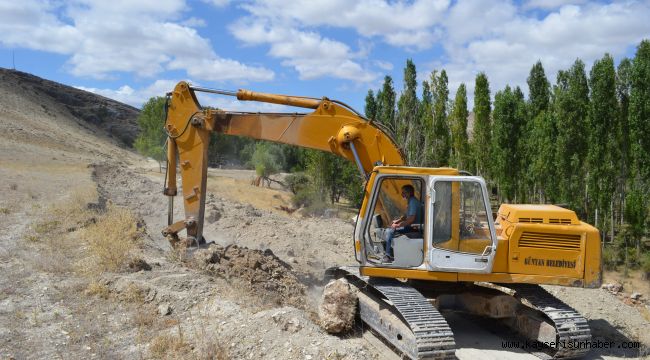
(261, 271)
(338, 308)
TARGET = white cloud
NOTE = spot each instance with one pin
(384, 65)
(311, 55)
(194, 22)
(217, 3)
(217, 69)
(17, 25)
(550, 4)
(104, 37)
(400, 23)
(134, 97)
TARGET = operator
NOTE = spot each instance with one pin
(403, 224)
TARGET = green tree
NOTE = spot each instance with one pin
(521, 147)
(426, 123)
(268, 159)
(640, 113)
(636, 214)
(152, 137)
(623, 87)
(507, 127)
(571, 106)
(408, 127)
(482, 134)
(371, 106)
(458, 120)
(441, 144)
(541, 136)
(386, 105)
(602, 154)
(333, 177)
(539, 90)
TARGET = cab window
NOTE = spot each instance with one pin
(390, 203)
(460, 218)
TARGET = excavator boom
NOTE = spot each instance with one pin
(332, 127)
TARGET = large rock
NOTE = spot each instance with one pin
(338, 308)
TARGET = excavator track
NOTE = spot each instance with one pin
(430, 336)
(571, 328)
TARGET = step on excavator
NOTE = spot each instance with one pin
(456, 255)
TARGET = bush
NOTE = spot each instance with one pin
(304, 197)
(112, 239)
(297, 182)
(610, 258)
(310, 200)
(645, 265)
(267, 159)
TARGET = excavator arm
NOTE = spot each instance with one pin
(331, 126)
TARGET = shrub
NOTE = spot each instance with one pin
(112, 239)
(297, 182)
(610, 257)
(645, 265)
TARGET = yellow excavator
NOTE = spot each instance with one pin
(456, 256)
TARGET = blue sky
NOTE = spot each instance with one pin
(132, 50)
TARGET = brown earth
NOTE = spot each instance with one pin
(252, 295)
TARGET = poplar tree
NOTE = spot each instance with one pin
(426, 122)
(408, 123)
(371, 106)
(503, 119)
(571, 105)
(541, 135)
(623, 85)
(481, 141)
(441, 143)
(458, 120)
(640, 113)
(386, 105)
(602, 152)
(639, 124)
(539, 90)
(521, 114)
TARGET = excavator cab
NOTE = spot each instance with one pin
(455, 233)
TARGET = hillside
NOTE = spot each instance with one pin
(63, 103)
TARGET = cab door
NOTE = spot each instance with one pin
(461, 234)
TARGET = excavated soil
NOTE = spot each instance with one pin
(260, 271)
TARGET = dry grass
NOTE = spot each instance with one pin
(144, 317)
(169, 346)
(132, 294)
(96, 288)
(112, 239)
(77, 235)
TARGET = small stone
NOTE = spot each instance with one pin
(164, 309)
(635, 296)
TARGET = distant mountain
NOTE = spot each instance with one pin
(91, 111)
